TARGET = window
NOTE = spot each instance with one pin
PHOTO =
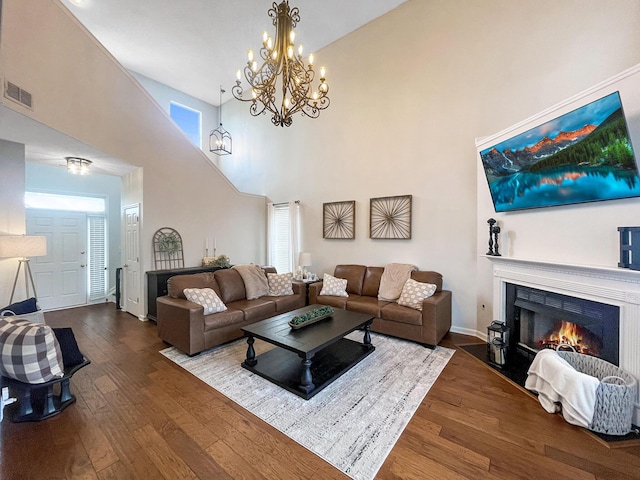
(189, 120)
(284, 235)
(97, 226)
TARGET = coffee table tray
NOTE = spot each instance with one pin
(310, 322)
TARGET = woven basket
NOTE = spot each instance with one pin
(615, 396)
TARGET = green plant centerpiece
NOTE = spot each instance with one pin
(310, 317)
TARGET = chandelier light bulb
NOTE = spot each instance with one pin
(290, 51)
(292, 36)
(238, 75)
(310, 59)
(286, 103)
(254, 93)
(254, 67)
(269, 43)
(250, 55)
(322, 72)
(265, 36)
(300, 50)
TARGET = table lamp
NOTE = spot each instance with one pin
(21, 247)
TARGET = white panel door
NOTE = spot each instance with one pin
(61, 275)
(132, 260)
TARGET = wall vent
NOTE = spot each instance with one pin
(15, 93)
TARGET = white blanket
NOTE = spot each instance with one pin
(394, 276)
(557, 382)
(255, 280)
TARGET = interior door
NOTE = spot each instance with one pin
(60, 276)
(132, 260)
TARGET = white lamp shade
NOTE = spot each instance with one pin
(12, 246)
(304, 260)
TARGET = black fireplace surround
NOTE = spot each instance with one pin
(531, 313)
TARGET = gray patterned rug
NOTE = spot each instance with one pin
(354, 422)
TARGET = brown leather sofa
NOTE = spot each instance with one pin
(182, 323)
(427, 326)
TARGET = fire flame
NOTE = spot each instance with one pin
(574, 335)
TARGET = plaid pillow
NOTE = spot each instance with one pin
(413, 293)
(29, 352)
(280, 284)
(336, 287)
(206, 297)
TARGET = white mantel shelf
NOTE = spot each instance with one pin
(610, 285)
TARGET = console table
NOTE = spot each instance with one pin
(157, 284)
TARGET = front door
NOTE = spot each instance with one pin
(132, 260)
(61, 275)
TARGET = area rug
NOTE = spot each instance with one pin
(354, 422)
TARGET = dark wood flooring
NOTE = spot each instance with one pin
(139, 416)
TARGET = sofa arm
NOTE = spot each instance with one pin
(314, 291)
(181, 324)
(436, 316)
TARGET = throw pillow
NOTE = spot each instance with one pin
(413, 293)
(71, 355)
(336, 287)
(20, 308)
(29, 352)
(206, 297)
(280, 284)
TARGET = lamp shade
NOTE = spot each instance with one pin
(304, 260)
(12, 246)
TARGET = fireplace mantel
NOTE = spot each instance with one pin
(614, 286)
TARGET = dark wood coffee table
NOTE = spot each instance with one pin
(308, 359)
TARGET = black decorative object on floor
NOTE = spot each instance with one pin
(491, 223)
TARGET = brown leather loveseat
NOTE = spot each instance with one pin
(182, 323)
(427, 326)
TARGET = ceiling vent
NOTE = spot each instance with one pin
(15, 93)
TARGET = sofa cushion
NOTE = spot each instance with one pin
(354, 274)
(368, 305)
(428, 277)
(256, 309)
(223, 319)
(177, 283)
(371, 283)
(280, 284)
(287, 303)
(29, 352)
(20, 308)
(207, 298)
(231, 285)
(401, 314)
(413, 293)
(337, 302)
(336, 287)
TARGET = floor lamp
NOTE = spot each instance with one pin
(21, 247)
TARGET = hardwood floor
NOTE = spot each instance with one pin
(140, 416)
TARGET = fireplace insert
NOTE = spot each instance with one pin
(541, 319)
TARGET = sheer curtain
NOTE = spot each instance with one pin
(283, 239)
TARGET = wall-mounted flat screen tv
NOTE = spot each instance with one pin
(582, 156)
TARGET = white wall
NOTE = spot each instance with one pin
(410, 92)
(40, 178)
(102, 105)
(12, 212)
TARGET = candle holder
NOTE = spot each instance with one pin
(496, 231)
(491, 223)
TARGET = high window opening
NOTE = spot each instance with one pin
(284, 235)
(189, 121)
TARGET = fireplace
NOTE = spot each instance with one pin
(543, 319)
(618, 289)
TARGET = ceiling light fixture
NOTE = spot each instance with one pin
(77, 165)
(220, 141)
(282, 84)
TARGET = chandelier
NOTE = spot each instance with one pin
(219, 139)
(282, 84)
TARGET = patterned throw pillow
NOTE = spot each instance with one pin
(336, 287)
(206, 297)
(280, 284)
(413, 293)
(29, 352)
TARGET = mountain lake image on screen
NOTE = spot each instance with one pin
(582, 156)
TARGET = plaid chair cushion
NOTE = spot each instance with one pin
(29, 352)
